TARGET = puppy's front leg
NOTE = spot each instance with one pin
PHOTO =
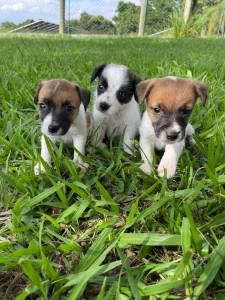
(39, 168)
(129, 136)
(147, 152)
(170, 159)
(79, 143)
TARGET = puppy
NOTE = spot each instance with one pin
(115, 110)
(62, 109)
(169, 104)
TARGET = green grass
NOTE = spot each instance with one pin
(112, 232)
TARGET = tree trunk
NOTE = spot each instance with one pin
(187, 10)
(142, 17)
(62, 17)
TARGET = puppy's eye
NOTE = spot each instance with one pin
(122, 94)
(157, 109)
(43, 106)
(101, 87)
(186, 110)
(70, 108)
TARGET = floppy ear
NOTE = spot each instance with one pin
(136, 79)
(201, 90)
(40, 85)
(97, 72)
(84, 96)
(143, 89)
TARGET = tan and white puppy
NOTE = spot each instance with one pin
(116, 110)
(62, 109)
(169, 104)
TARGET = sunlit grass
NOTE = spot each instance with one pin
(112, 232)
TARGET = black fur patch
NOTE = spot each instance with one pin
(102, 85)
(61, 116)
(126, 92)
(97, 72)
(167, 119)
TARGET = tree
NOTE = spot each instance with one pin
(98, 24)
(127, 18)
(159, 14)
(157, 18)
(26, 22)
(93, 24)
(84, 19)
(8, 25)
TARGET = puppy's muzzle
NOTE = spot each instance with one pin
(53, 128)
(103, 106)
(172, 135)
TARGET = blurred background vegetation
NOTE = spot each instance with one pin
(207, 18)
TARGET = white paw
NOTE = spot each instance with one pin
(192, 140)
(102, 145)
(145, 167)
(39, 169)
(167, 167)
(81, 164)
(128, 149)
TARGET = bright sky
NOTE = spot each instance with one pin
(20, 10)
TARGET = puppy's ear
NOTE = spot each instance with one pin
(135, 79)
(143, 89)
(40, 85)
(201, 90)
(84, 96)
(97, 72)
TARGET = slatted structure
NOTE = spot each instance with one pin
(46, 27)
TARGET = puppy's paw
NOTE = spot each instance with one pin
(145, 167)
(168, 167)
(39, 169)
(81, 164)
(191, 140)
(128, 149)
(102, 145)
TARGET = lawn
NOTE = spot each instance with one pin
(112, 232)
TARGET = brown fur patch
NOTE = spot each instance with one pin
(58, 92)
(170, 94)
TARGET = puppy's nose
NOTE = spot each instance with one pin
(172, 136)
(104, 106)
(53, 128)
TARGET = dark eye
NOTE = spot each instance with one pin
(122, 94)
(186, 110)
(101, 87)
(43, 106)
(157, 109)
(70, 108)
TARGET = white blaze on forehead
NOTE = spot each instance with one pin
(172, 78)
(175, 127)
(116, 75)
(56, 87)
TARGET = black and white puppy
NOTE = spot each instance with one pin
(116, 110)
(62, 109)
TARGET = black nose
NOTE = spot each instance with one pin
(172, 136)
(53, 128)
(104, 106)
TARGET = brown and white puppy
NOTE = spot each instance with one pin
(169, 104)
(62, 109)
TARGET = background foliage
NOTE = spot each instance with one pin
(208, 18)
